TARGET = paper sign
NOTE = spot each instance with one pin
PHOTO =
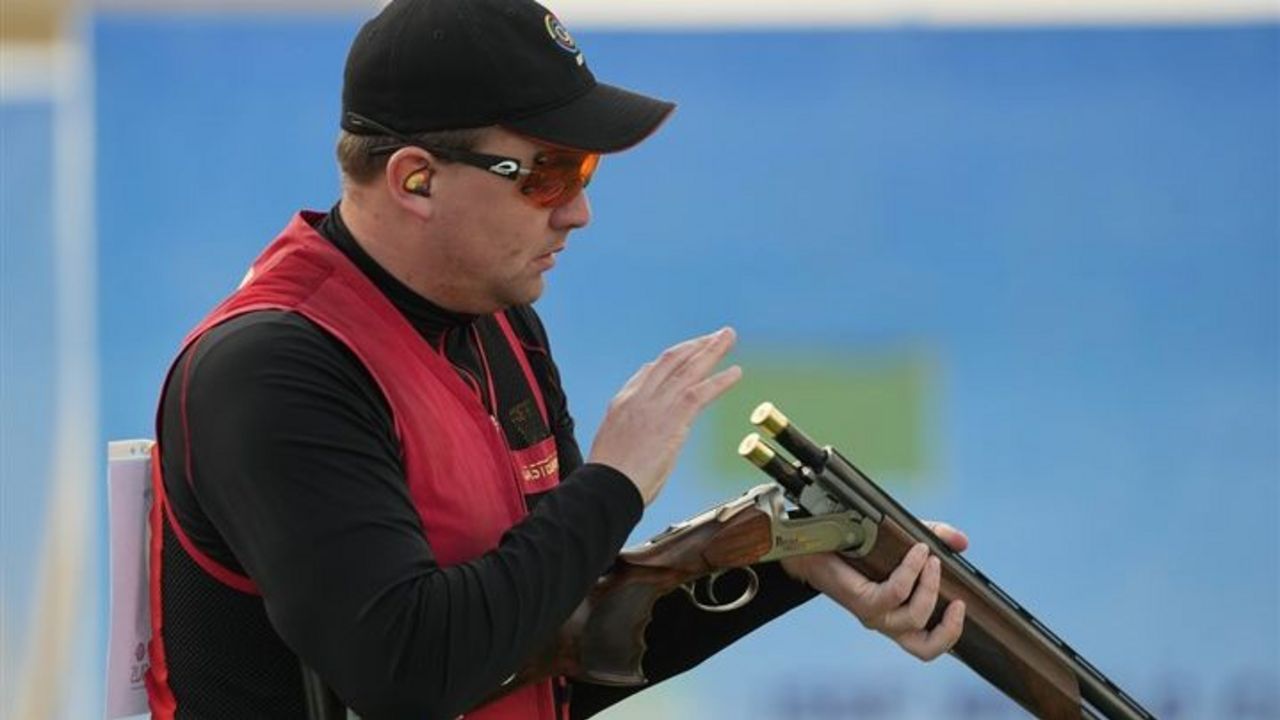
(128, 502)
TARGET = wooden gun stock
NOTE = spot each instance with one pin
(603, 641)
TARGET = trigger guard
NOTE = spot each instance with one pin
(749, 594)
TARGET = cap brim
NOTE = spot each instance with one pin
(604, 119)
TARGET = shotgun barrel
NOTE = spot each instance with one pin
(1001, 640)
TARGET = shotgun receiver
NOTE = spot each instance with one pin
(837, 509)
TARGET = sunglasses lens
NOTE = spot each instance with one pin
(558, 177)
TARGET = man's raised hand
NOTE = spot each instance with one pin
(649, 419)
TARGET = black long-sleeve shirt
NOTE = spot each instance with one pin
(281, 462)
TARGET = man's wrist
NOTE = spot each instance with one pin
(617, 485)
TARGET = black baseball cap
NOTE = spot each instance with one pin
(428, 65)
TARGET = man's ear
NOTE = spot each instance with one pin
(408, 177)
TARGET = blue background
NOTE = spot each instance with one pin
(1077, 227)
(26, 348)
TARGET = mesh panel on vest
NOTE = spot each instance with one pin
(225, 660)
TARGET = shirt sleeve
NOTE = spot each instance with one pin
(295, 467)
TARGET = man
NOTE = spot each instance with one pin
(367, 467)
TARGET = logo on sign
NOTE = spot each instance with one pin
(138, 670)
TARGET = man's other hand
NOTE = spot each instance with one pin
(649, 419)
(901, 605)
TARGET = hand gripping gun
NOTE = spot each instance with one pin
(836, 509)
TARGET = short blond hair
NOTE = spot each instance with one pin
(359, 162)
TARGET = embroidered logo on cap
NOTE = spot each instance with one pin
(560, 34)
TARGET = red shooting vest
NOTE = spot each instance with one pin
(446, 435)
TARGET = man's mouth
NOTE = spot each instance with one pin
(547, 260)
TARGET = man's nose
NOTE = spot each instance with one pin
(572, 215)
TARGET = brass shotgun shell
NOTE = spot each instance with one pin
(769, 418)
(754, 449)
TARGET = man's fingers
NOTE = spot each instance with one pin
(650, 376)
(674, 359)
(638, 378)
(955, 539)
(704, 358)
(928, 645)
(916, 613)
(835, 577)
(895, 589)
(713, 387)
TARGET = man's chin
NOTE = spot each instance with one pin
(536, 291)
(527, 293)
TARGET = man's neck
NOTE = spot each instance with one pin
(429, 318)
(371, 229)
(403, 245)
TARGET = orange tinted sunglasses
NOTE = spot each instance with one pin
(555, 178)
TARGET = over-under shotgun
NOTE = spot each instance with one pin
(835, 508)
